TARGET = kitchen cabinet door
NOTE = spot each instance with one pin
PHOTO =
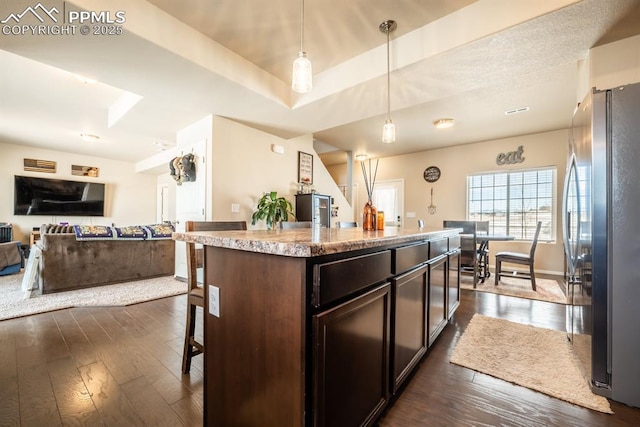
(409, 323)
(438, 272)
(453, 283)
(351, 360)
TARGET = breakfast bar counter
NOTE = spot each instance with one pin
(320, 326)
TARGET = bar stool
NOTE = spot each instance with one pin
(195, 294)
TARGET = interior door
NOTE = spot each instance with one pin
(190, 202)
(388, 197)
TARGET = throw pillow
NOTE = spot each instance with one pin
(93, 232)
(131, 232)
(159, 231)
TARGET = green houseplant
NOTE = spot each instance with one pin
(272, 209)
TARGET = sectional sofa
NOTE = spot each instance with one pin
(67, 263)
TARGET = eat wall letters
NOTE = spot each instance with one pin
(510, 158)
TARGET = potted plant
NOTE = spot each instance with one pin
(272, 209)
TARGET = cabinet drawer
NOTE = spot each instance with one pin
(408, 257)
(337, 279)
(454, 242)
(438, 247)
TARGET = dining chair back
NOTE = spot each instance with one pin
(521, 259)
(468, 247)
(347, 224)
(289, 225)
(195, 293)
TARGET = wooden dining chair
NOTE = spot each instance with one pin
(289, 225)
(195, 293)
(521, 259)
(468, 247)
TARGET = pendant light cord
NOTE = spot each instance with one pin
(302, 27)
(388, 80)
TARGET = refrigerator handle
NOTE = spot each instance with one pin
(566, 214)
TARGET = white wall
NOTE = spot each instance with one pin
(244, 167)
(130, 197)
(615, 64)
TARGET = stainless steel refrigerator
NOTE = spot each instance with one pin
(601, 231)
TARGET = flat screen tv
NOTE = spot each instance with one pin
(44, 196)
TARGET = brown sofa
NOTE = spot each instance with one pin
(66, 263)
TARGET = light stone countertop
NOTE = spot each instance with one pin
(310, 242)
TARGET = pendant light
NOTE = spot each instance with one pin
(302, 78)
(389, 129)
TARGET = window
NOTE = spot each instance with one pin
(513, 202)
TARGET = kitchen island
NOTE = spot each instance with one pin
(320, 326)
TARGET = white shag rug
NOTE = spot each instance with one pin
(12, 303)
(536, 358)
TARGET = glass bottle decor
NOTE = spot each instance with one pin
(380, 220)
(369, 217)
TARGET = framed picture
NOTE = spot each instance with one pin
(305, 168)
(84, 171)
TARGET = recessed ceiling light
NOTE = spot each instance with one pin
(88, 137)
(516, 111)
(444, 123)
(361, 157)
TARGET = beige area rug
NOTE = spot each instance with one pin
(546, 289)
(536, 358)
(12, 303)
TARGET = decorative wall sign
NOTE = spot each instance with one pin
(84, 171)
(511, 158)
(305, 168)
(431, 174)
(34, 165)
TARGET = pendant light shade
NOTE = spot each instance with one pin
(302, 76)
(389, 129)
(388, 132)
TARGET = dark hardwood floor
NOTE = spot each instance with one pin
(116, 366)
(121, 367)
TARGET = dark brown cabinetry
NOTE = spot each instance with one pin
(453, 283)
(351, 359)
(321, 340)
(409, 335)
(437, 297)
(438, 272)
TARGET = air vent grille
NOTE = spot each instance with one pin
(516, 111)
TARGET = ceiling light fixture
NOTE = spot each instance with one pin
(389, 129)
(361, 157)
(302, 79)
(444, 123)
(88, 137)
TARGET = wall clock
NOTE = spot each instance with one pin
(431, 174)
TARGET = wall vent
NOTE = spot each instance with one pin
(516, 111)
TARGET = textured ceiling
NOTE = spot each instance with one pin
(462, 59)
